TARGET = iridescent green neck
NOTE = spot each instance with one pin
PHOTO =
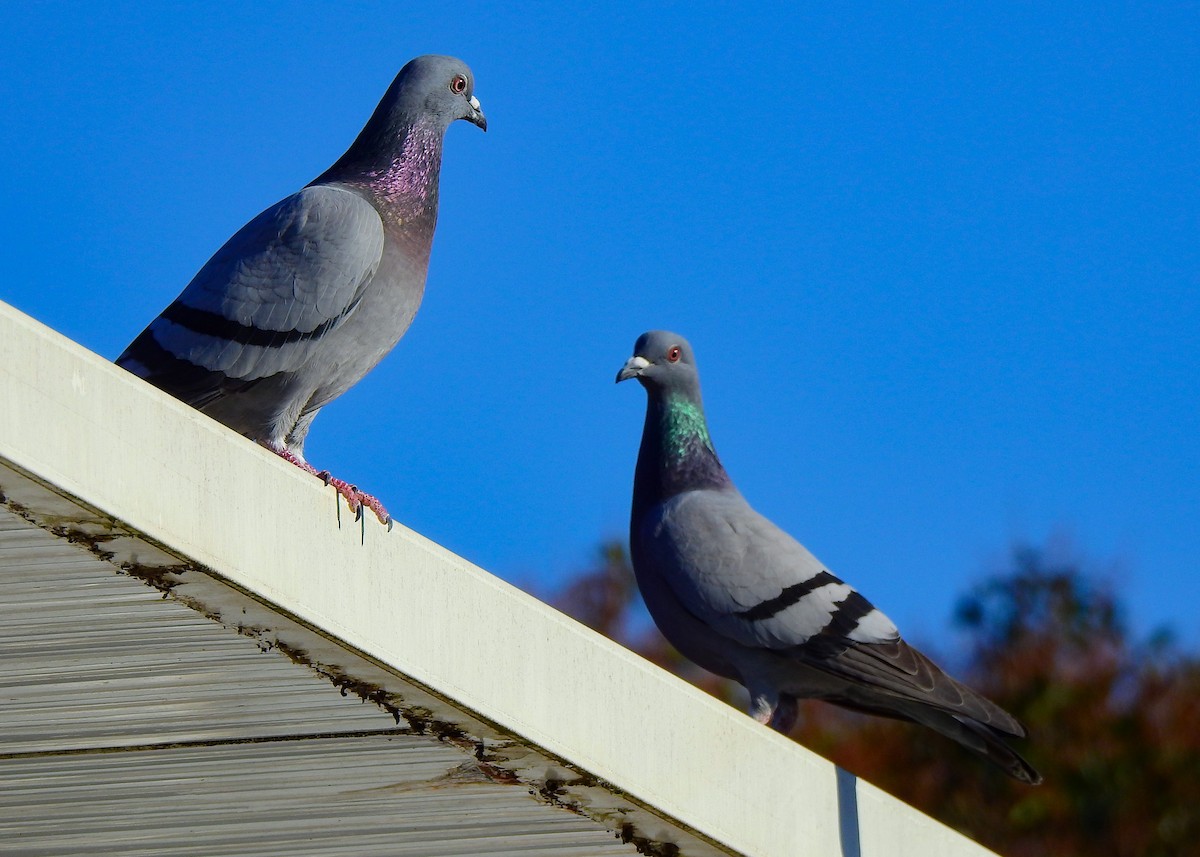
(683, 425)
(676, 454)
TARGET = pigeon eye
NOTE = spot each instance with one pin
(673, 354)
(458, 84)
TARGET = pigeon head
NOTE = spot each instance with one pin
(663, 363)
(398, 153)
(432, 87)
(677, 452)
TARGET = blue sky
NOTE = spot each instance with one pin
(940, 264)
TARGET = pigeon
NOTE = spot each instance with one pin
(740, 597)
(308, 296)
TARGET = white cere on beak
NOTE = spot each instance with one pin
(632, 369)
(474, 102)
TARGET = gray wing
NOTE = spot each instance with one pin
(748, 579)
(751, 582)
(262, 304)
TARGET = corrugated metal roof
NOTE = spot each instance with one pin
(132, 724)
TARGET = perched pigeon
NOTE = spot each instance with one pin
(745, 600)
(307, 297)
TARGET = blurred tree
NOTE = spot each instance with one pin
(1112, 723)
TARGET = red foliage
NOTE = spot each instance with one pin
(1112, 724)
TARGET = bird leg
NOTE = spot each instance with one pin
(355, 499)
(785, 716)
(762, 705)
(287, 455)
(769, 708)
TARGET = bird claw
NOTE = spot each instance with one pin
(375, 506)
(359, 500)
(356, 500)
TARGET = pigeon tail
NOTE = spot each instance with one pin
(979, 739)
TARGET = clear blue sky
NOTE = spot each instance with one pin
(941, 265)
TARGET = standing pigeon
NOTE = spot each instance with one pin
(307, 297)
(745, 600)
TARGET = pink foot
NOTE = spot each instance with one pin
(288, 455)
(355, 499)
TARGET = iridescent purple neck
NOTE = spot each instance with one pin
(413, 171)
(399, 169)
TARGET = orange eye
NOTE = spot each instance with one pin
(673, 354)
(458, 84)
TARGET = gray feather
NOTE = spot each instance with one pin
(299, 266)
(724, 560)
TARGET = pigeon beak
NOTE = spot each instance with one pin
(633, 367)
(476, 117)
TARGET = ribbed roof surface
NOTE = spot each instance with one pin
(132, 724)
